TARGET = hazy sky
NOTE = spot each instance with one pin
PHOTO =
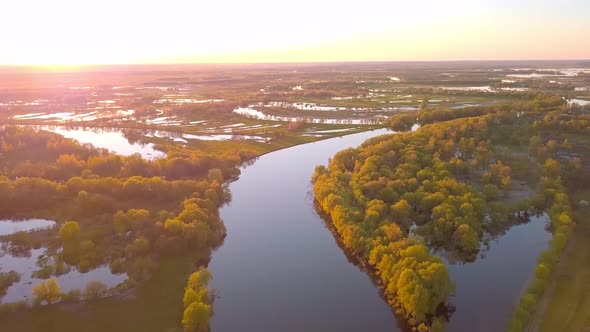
(128, 31)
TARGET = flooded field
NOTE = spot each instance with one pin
(26, 264)
(35, 265)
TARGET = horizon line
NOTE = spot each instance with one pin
(282, 62)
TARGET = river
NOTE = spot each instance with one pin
(280, 268)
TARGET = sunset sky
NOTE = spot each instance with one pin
(65, 32)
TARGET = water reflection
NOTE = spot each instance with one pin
(114, 140)
(487, 289)
(27, 264)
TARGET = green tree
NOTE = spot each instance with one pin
(491, 191)
(467, 239)
(401, 212)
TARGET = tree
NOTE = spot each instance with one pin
(215, 174)
(139, 247)
(69, 236)
(467, 239)
(137, 217)
(506, 183)
(88, 255)
(552, 168)
(551, 146)
(404, 122)
(69, 231)
(401, 212)
(120, 222)
(491, 191)
(412, 294)
(196, 302)
(48, 290)
(199, 279)
(196, 317)
(534, 143)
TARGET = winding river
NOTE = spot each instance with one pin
(280, 268)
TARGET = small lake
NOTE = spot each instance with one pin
(112, 139)
(280, 268)
(12, 226)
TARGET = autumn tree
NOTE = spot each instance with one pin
(196, 316)
(69, 231)
(197, 303)
(48, 291)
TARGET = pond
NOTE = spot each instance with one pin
(578, 101)
(12, 226)
(26, 265)
(280, 268)
(112, 139)
(250, 112)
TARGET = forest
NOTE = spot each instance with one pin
(401, 202)
(127, 213)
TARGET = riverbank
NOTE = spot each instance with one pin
(566, 305)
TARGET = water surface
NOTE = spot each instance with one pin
(13, 226)
(279, 268)
(26, 265)
(112, 139)
(487, 289)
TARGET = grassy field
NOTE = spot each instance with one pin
(157, 306)
(568, 307)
